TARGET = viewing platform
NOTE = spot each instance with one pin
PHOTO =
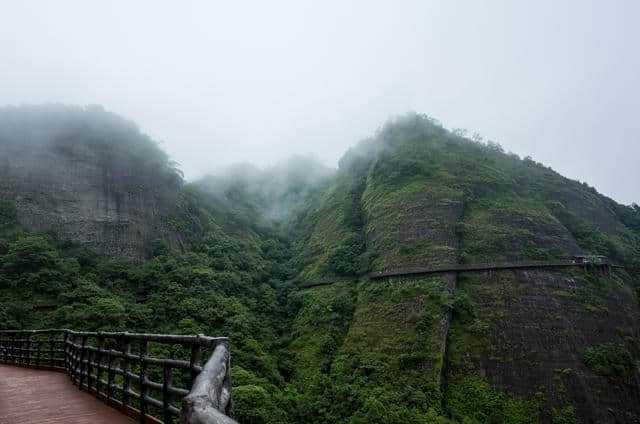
(41, 396)
(118, 378)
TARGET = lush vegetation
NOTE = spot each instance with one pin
(610, 359)
(420, 350)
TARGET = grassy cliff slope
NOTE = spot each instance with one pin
(487, 347)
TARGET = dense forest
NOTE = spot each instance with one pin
(230, 253)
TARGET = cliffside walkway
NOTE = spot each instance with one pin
(489, 267)
(39, 369)
(405, 272)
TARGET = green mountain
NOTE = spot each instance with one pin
(231, 255)
(491, 347)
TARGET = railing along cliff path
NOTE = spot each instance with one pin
(604, 267)
(120, 369)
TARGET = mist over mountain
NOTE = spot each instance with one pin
(96, 220)
(276, 194)
(88, 175)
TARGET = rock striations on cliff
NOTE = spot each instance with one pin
(89, 176)
(502, 346)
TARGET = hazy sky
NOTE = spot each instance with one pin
(221, 82)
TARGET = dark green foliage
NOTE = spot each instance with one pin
(566, 415)
(357, 351)
(28, 255)
(32, 263)
(610, 359)
(471, 399)
(105, 313)
(8, 215)
(255, 405)
(221, 288)
(345, 258)
(369, 358)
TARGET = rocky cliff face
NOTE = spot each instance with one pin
(88, 176)
(527, 333)
(502, 346)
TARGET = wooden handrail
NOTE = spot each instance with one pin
(126, 359)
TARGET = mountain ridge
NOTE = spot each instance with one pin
(224, 255)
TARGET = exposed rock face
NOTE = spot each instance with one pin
(95, 179)
(432, 199)
(536, 328)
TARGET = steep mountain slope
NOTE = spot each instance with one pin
(230, 255)
(505, 346)
(89, 176)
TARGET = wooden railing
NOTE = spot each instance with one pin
(488, 267)
(605, 267)
(120, 369)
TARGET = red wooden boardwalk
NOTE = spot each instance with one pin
(36, 396)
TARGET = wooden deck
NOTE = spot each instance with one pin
(37, 396)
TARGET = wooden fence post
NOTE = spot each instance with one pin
(99, 363)
(196, 359)
(144, 389)
(52, 345)
(126, 369)
(83, 358)
(20, 349)
(38, 344)
(13, 348)
(5, 350)
(74, 359)
(28, 351)
(110, 377)
(89, 368)
(66, 348)
(166, 396)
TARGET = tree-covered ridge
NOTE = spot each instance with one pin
(414, 350)
(216, 288)
(427, 196)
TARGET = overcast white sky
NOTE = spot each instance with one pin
(226, 81)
